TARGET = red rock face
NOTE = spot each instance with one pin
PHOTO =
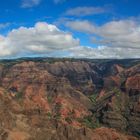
(133, 82)
(55, 100)
(110, 134)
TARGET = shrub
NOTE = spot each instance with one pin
(18, 95)
(88, 121)
(49, 99)
(69, 120)
(57, 116)
(93, 98)
(49, 115)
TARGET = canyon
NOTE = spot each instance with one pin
(69, 99)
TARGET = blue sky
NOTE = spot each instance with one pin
(96, 28)
(12, 11)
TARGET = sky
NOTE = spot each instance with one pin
(70, 28)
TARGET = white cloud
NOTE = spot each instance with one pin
(47, 40)
(121, 34)
(84, 11)
(30, 3)
(43, 38)
(103, 52)
(81, 26)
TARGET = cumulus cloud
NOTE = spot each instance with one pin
(43, 38)
(30, 3)
(85, 11)
(118, 34)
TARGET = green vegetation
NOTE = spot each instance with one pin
(93, 98)
(57, 116)
(49, 98)
(68, 120)
(118, 101)
(18, 95)
(58, 107)
(118, 98)
(49, 115)
(90, 121)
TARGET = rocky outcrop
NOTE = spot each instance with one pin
(121, 111)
